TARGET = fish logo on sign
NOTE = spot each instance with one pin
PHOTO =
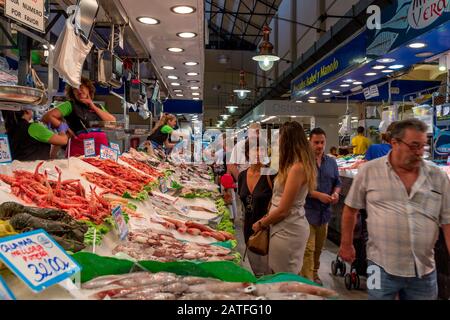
(423, 13)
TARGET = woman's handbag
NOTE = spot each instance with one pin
(259, 242)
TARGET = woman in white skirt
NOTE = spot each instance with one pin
(289, 229)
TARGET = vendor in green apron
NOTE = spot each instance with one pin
(159, 136)
(30, 141)
(79, 112)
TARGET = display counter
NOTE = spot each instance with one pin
(334, 234)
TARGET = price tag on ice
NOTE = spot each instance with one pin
(5, 292)
(37, 259)
(5, 151)
(120, 222)
(108, 153)
(115, 146)
(89, 147)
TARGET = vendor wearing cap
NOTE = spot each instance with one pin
(79, 112)
(30, 141)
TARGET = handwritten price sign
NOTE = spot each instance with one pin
(89, 147)
(37, 259)
(120, 222)
(108, 153)
(5, 151)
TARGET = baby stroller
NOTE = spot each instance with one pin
(359, 266)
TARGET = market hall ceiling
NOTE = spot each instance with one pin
(237, 24)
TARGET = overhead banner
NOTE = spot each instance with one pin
(405, 20)
(347, 56)
(27, 12)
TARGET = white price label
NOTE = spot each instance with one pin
(108, 153)
(5, 151)
(120, 222)
(5, 292)
(89, 147)
(115, 146)
(37, 259)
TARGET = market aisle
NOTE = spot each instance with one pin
(329, 281)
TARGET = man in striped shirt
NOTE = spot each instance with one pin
(407, 200)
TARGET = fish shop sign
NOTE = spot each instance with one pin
(37, 259)
(27, 12)
(422, 13)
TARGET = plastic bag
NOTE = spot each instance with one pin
(69, 55)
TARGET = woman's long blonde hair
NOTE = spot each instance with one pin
(166, 117)
(294, 147)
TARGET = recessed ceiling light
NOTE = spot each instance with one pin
(370, 74)
(195, 98)
(190, 63)
(396, 66)
(177, 90)
(417, 45)
(182, 9)
(387, 71)
(327, 90)
(312, 101)
(299, 101)
(148, 20)
(179, 95)
(175, 84)
(172, 77)
(345, 85)
(326, 93)
(357, 83)
(195, 93)
(187, 35)
(348, 80)
(195, 88)
(192, 74)
(168, 67)
(175, 49)
(378, 67)
(312, 98)
(424, 54)
(335, 91)
(386, 60)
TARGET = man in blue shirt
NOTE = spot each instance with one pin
(376, 151)
(318, 205)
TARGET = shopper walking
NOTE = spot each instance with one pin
(289, 229)
(406, 200)
(318, 204)
(255, 192)
(360, 143)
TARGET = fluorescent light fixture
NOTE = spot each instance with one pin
(387, 71)
(196, 98)
(190, 63)
(269, 118)
(345, 85)
(177, 90)
(183, 9)
(148, 20)
(179, 95)
(168, 68)
(348, 80)
(335, 91)
(326, 93)
(327, 90)
(195, 88)
(192, 74)
(386, 60)
(357, 83)
(312, 101)
(417, 45)
(175, 84)
(370, 74)
(195, 93)
(379, 67)
(176, 50)
(396, 66)
(172, 77)
(298, 101)
(186, 35)
(312, 98)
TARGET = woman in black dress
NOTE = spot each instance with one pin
(255, 192)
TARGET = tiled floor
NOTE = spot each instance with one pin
(329, 281)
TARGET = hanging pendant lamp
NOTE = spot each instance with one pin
(242, 92)
(265, 57)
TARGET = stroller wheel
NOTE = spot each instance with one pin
(334, 270)
(343, 269)
(348, 281)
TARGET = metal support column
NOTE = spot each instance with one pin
(293, 31)
(24, 44)
(322, 12)
(276, 37)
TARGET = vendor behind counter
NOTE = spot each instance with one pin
(79, 112)
(30, 141)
